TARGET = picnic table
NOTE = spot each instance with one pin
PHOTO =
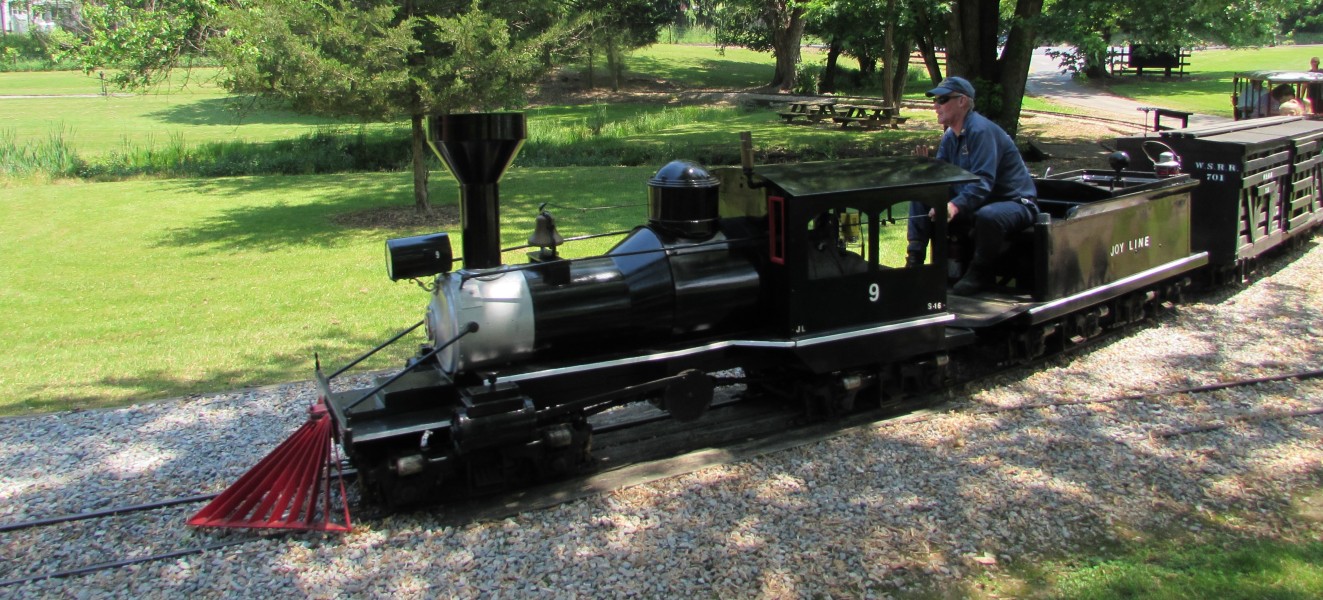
(814, 110)
(869, 116)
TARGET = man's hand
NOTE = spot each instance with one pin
(951, 211)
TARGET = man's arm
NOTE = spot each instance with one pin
(981, 160)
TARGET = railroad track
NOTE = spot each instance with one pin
(632, 449)
(1137, 124)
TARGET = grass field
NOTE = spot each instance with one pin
(193, 110)
(136, 290)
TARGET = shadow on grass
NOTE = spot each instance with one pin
(576, 196)
(238, 111)
(277, 224)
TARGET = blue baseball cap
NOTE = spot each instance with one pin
(953, 85)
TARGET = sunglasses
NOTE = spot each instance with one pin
(945, 99)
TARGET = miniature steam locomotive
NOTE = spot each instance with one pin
(793, 273)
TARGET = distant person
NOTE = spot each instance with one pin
(1253, 102)
(1285, 102)
(1315, 90)
(999, 202)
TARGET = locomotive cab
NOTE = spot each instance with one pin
(836, 240)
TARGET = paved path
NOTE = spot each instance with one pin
(1046, 80)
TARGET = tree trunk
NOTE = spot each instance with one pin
(968, 53)
(972, 53)
(421, 205)
(928, 47)
(828, 83)
(614, 63)
(889, 52)
(1014, 62)
(591, 54)
(902, 71)
(785, 44)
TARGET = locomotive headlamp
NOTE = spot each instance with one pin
(418, 256)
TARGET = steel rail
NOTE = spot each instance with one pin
(107, 512)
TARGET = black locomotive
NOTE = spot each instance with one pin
(793, 273)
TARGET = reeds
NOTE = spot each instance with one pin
(325, 150)
(597, 141)
(51, 157)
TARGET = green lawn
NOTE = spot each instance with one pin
(193, 110)
(136, 290)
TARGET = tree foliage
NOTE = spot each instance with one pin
(1306, 17)
(614, 27)
(143, 39)
(885, 31)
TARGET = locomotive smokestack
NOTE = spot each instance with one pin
(478, 148)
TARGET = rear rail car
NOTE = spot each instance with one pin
(1260, 187)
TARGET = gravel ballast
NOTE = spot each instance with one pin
(872, 513)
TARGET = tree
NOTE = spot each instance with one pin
(144, 39)
(370, 59)
(763, 25)
(851, 28)
(618, 26)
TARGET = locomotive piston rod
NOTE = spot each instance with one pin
(686, 396)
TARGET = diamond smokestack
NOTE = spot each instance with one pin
(478, 148)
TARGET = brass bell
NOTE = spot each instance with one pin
(544, 232)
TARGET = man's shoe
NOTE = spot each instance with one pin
(913, 261)
(974, 281)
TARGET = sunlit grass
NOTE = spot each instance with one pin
(135, 290)
(1255, 569)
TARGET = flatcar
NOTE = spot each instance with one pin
(793, 273)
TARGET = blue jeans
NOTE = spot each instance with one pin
(989, 224)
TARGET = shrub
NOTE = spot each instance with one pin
(26, 52)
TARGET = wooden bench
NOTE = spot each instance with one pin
(812, 117)
(871, 122)
(814, 111)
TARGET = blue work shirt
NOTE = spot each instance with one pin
(984, 149)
